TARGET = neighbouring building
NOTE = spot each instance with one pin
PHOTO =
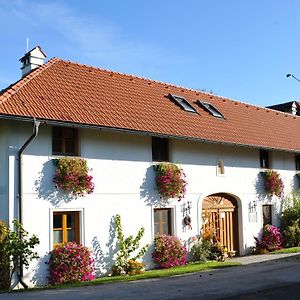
(123, 125)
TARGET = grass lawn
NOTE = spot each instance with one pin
(190, 268)
(287, 250)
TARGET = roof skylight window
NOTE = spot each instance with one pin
(211, 109)
(182, 103)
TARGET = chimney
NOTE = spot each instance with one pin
(294, 109)
(32, 60)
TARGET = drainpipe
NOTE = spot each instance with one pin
(20, 193)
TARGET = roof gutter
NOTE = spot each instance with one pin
(140, 132)
(20, 192)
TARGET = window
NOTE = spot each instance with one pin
(264, 159)
(211, 109)
(162, 221)
(297, 161)
(64, 141)
(220, 168)
(65, 227)
(160, 149)
(267, 214)
(179, 100)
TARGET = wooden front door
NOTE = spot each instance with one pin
(219, 216)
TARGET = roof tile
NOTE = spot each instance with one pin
(65, 91)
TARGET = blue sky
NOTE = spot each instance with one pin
(237, 49)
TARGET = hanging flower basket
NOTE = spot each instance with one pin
(273, 183)
(72, 176)
(170, 181)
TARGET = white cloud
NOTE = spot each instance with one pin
(89, 39)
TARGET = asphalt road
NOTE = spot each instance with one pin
(277, 279)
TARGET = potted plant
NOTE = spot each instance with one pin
(273, 183)
(72, 176)
(170, 181)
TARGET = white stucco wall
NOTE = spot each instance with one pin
(121, 165)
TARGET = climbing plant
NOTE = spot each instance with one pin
(128, 249)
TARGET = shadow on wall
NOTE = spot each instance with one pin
(105, 261)
(148, 190)
(260, 189)
(41, 271)
(46, 189)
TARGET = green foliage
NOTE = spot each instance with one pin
(127, 248)
(135, 267)
(290, 220)
(15, 246)
(201, 250)
(204, 250)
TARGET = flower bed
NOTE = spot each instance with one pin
(71, 263)
(169, 252)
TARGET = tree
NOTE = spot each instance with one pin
(15, 247)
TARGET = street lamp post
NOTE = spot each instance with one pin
(291, 75)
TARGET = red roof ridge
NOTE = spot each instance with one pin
(15, 87)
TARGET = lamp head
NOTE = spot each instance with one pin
(288, 75)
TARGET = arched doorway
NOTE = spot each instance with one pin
(220, 216)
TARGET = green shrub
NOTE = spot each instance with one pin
(15, 246)
(217, 252)
(205, 249)
(290, 221)
(201, 250)
(135, 267)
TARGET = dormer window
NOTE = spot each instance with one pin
(210, 108)
(180, 101)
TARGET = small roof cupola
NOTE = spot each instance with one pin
(32, 60)
(294, 108)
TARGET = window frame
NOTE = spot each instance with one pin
(183, 103)
(160, 149)
(80, 223)
(220, 168)
(270, 208)
(63, 140)
(170, 220)
(211, 109)
(264, 158)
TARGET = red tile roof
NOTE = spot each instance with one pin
(69, 92)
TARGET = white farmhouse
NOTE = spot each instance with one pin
(123, 125)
